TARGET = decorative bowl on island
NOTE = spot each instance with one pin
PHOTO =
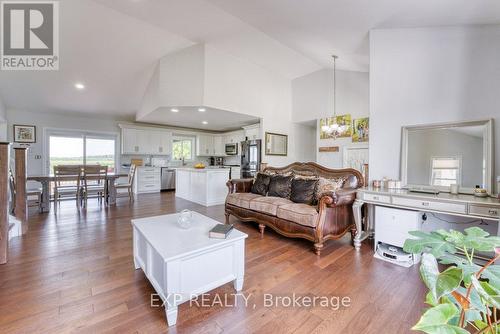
(199, 166)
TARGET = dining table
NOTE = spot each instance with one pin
(46, 179)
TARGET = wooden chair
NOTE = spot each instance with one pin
(67, 183)
(129, 184)
(95, 182)
(33, 195)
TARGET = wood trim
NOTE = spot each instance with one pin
(4, 201)
(329, 149)
(21, 212)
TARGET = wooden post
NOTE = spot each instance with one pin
(4, 201)
(21, 204)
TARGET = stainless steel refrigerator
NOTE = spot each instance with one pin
(250, 158)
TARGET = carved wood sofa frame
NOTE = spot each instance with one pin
(335, 216)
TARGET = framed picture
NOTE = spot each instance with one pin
(344, 120)
(24, 133)
(276, 144)
(360, 131)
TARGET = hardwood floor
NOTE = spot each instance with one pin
(73, 272)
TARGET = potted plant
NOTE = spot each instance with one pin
(464, 297)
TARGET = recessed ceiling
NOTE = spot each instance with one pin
(190, 117)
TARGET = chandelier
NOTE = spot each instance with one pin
(334, 129)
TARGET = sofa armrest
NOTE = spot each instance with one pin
(339, 197)
(239, 185)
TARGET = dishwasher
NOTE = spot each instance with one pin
(167, 178)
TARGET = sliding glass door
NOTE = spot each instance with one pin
(80, 148)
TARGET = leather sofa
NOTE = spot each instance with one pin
(330, 218)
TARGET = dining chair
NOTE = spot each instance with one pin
(129, 184)
(33, 195)
(67, 183)
(95, 182)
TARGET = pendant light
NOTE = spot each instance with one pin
(334, 130)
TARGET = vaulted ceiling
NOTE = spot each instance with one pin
(112, 45)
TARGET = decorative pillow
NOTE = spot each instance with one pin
(272, 173)
(261, 184)
(303, 190)
(329, 185)
(280, 186)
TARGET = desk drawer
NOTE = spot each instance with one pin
(430, 205)
(484, 211)
(377, 198)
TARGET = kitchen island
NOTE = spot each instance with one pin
(205, 186)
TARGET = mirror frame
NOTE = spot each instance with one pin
(269, 134)
(487, 152)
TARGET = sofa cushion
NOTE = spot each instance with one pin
(303, 190)
(241, 199)
(280, 186)
(268, 205)
(261, 184)
(299, 213)
(329, 185)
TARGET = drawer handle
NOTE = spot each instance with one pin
(376, 198)
(426, 203)
(493, 212)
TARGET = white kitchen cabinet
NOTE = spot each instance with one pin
(161, 142)
(129, 141)
(205, 145)
(219, 146)
(144, 141)
(147, 180)
(203, 186)
(253, 134)
(234, 137)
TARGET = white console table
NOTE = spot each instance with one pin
(444, 203)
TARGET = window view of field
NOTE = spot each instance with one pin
(70, 151)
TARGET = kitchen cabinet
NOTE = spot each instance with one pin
(146, 142)
(205, 145)
(147, 180)
(129, 141)
(220, 146)
(203, 186)
(252, 133)
(161, 142)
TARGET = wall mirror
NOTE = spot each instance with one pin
(276, 144)
(439, 155)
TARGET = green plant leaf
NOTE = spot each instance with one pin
(436, 320)
(487, 292)
(480, 240)
(430, 300)
(448, 281)
(429, 273)
(434, 243)
(439, 284)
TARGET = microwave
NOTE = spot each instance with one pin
(232, 149)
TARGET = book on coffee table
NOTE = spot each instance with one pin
(220, 231)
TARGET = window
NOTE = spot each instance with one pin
(67, 148)
(445, 171)
(182, 148)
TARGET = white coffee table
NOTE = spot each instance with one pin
(181, 264)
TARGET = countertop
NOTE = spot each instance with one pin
(205, 170)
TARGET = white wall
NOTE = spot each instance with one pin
(240, 86)
(313, 100)
(429, 75)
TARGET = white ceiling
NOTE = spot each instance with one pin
(112, 45)
(319, 28)
(190, 117)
